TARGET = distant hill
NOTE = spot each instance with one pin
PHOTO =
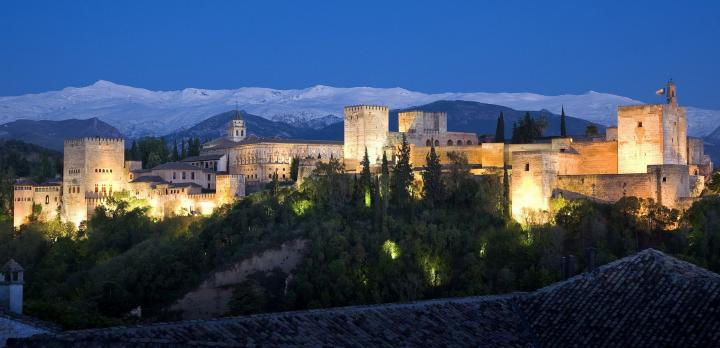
(463, 116)
(51, 134)
(481, 118)
(216, 126)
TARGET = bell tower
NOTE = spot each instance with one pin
(236, 128)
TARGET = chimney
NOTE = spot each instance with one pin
(11, 287)
(567, 267)
(590, 256)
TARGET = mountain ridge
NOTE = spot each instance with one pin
(137, 111)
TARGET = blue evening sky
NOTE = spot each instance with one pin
(627, 47)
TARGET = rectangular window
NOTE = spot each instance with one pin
(192, 175)
(209, 177)
(183, 175)
(527, 167)
(174, 175)
(639, 124)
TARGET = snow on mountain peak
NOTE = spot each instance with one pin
(138, 111)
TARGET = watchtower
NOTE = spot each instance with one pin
(654, 134)
(366, 127)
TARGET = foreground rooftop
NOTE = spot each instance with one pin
(646, 300)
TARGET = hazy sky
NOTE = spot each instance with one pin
(623, 47)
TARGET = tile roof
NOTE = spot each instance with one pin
(225, 143)
(200, 158)
(184, 184)
(149, 178)
(176, 166)
(645, 300)
(11, 266)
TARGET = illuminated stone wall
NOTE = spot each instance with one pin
(258, 161)
(595, 157)
(91, 167)
(533, 178)
(422, 122)
(418, 154)
(640, 139)
(229, 188)
(22, 203)
(365, 126)
(649, 135)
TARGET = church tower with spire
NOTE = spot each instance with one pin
(236, 128)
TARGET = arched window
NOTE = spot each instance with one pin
(459, 142)
(236, 133)
(437, 142)
(469, 142)
(242, 133)
(47, 199)
(427, 143)
(449, 143)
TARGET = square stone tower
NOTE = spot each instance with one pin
(652, 134)
(422, 122)
(366, 126)
(92, 167)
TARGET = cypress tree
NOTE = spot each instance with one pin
(175, 155)
(183, 152)
(366, 180)
(506, 192)
(384, 185)
(402, 175)
(134, 152)
(432, 178)
(563, 129)
(500, 129)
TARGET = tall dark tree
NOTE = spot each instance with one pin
(183, 151)
(294, 168)
(384, 185)
(433, 192)
(591, 130)
(563, 127)
(135, 152)
(175, 155)
(366, 180)
(500, 129)
(506, 192)
(401, 179)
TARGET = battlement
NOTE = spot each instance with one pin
(92, 140)
(366, 107)
(202, 196)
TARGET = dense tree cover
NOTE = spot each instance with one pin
(528, 129)
(369, 239)
(153, 151)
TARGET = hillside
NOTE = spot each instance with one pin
(50, 134)
(215, 127)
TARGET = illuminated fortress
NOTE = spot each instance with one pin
(648, 155)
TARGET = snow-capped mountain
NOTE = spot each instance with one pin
(137, 111)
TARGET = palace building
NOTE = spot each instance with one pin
(647, 155)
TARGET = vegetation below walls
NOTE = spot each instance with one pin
(370, 239)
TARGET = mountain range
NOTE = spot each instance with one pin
(136, 111)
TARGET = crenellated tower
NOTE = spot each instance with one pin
(366, 126)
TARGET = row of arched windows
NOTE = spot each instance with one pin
(449, 143)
